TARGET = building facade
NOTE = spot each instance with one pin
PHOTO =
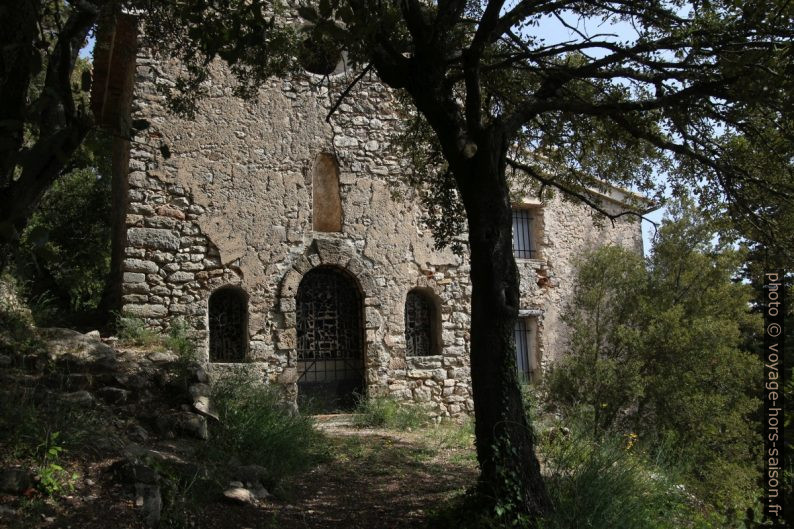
(274, 234)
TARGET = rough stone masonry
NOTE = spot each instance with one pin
(257, 194)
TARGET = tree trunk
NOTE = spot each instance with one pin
(510, 472)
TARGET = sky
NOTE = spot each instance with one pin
(553, 31)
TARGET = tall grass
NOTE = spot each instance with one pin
(605, 484)
(257, 428)
(133, 330)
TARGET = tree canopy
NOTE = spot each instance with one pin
(44, 110)
(696, 96)
(654, 96)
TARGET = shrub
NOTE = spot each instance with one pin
(384, 412)
(133, 330)
(607, 484)
(658, 350)
(256, 427)
(64, 252)
(17, 334)
(179, 342)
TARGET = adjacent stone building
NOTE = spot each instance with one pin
(275, 236)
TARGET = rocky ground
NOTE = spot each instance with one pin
(118, 429)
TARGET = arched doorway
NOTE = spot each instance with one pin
(330, 341)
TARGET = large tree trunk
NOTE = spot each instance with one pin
(510, 472)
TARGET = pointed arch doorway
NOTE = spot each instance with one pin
(330, 341)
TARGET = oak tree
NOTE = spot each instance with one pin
(691, 94)
(44, 110)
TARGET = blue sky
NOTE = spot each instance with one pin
(553, 31)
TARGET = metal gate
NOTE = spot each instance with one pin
(330, 356)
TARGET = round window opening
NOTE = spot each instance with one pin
(319, 55)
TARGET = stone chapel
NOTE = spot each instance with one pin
(274, 236)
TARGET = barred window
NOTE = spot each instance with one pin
(524, 244)
(228, 325)
(420, 325)
(525, 338)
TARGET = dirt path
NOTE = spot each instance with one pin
(377, 479)
(373, 479)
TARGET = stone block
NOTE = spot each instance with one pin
(155, 238)
(145, 311)
(181, 277)
(133, 277)
(290, 283)
(140, 265)
(166, 211)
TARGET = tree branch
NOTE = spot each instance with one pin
(551, 182)
(346, 92)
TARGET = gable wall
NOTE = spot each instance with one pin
(232, 205)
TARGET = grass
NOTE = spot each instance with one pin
(384, 412)
(606, 484)
(133, 331)
(258, 429)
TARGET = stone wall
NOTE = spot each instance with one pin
(226, 199)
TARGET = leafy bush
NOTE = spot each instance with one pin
(384, 412)
(658, 350)
(256, 427)
(64, 252)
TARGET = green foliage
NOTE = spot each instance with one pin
(657, 351)
(605, 484)
(451, 434)
(256, 427)
(178, 341)
(53, 478)
(134, 331)
(17, 335)
(64, 253)
(385, 412)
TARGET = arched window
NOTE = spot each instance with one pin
(326, 200)
(421, 325)
(228, 325)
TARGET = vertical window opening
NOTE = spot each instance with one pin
(421, 325)
(524, 237)
(228, 325)
(526, 345)
(326, 198)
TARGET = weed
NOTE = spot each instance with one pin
(134, 331)
(453, 435)
(179, 342)
(53, 478)
(257, 428)
(384, 412)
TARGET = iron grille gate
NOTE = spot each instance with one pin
(330, 359)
